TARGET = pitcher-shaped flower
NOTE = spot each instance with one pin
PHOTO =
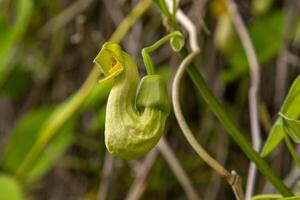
(135, 115)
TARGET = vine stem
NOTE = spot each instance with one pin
(147, 50)
(220, 112)
(64, 113)
(253, 90)
(232, 129)
(232, 178)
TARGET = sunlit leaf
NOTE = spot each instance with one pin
(10, 189)
(297, 33)
(23, 137)
(273, 197)
(291, 127)
(161, 4)
(261, 7)
(291, 109)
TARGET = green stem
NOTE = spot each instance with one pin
(232, 129)
(147, 50)
(292, 150)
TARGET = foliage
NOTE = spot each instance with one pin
(290, 109)
(267, 45)
(10, 188)
(55, 126)
(10, 35)
(25, 134)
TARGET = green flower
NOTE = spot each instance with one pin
(135, 115)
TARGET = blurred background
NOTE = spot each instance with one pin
(49, 90)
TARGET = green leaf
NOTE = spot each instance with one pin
(291, 109)
(291, 127)
(266, 45)
(273, 197)
(161, 4)
(17, 81)
(11, 35)
(25, 134)
(10, 188)
(23, 10)
(297, 33)
(260, 7)
(52, 153)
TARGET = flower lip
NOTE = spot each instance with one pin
(109, 59)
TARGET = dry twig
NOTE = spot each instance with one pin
(177, 169)
(105, 176)
(139, 185)
(232, 178)
(253, 90)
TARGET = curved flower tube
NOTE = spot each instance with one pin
(135, 115)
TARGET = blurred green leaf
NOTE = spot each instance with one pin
(291, 127)
(273, 197)
(291, 109)
(25, 134)
(297, 33)
(260, 7)
(224, 34)
(97, 95)
(98, 122)
(51, 154)
(161, 4)
(267, 37)
(16, 82)
(10, 189)
(11, 35)
(165, 72)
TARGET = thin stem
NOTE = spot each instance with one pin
(62, 115)
(188, 25)
(221, 151)
(292, 150)
(253, 90)
(293, 176)
(130, 19)
(177, 169)
(232, 179)
(140, 183)
(281, 71)
(147, 50)
(106, 176)
(183, 124)
(232, 129)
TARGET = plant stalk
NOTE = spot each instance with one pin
(229, 125)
